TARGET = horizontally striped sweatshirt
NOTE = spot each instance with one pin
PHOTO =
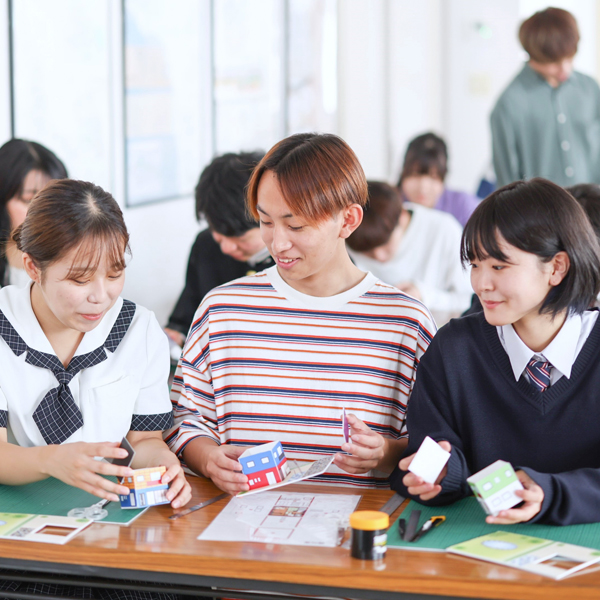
(264, 362)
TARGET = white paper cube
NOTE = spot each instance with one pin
(429, 461)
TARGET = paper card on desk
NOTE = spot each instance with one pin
(536, 555)
(429, 460)
(296, 474)
(40, 528)
(286, 518)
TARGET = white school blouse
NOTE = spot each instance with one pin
(128, 390)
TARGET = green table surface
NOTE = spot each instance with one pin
(53, 497)
(465, 520)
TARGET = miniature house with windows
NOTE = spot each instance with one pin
(494, 487)
(264, 465)
(145, 488)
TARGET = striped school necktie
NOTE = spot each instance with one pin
(539, 374)
(57, 416)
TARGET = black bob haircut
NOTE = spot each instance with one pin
(221, 193)
(17, 158)
(539, 217)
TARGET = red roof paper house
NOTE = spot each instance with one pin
(264, 465)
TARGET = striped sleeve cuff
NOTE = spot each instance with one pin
(157, 422)
(3, 418)
(185, 436)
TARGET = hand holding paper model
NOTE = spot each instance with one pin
(429, 461)
(494, 487)
(264, 465)
(146, 488)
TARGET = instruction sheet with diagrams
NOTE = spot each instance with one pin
(293, 518)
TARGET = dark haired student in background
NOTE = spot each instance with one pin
(588, 195)
(25, 168)
(230, 247)
(423, 174)
(519, 381)
(413, 248)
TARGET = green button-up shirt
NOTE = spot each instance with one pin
(541, 131)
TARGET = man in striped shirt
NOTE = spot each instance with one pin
(278, 355)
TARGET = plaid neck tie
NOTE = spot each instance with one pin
(539, 374)
(57, 416)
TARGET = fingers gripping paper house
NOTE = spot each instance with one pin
(267, 468)
(495, 486)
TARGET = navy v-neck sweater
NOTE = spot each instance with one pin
(465, 392)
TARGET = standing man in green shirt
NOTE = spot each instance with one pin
(546, 123)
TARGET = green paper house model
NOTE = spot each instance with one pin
(494, 487)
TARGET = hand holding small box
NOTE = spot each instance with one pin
(429, 461)
(416, 485)
(495, 486)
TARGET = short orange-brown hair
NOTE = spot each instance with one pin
(550, 35)
(318, 174)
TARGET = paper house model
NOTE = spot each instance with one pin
(145, 488)
(494, 487)
(264, 465)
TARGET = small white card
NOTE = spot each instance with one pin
(429, 460)
(40, 528)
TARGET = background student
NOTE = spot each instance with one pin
(25, 168)
(277, 355)
(230, 247)
(423, 174)
(413, 248)
(588, 195)
(519, 381)
(546, 123)
(95, 366)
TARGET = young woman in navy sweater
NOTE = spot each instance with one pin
(520, 380)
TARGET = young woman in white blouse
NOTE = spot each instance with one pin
(81, 367)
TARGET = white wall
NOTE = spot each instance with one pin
(404, 67)
(4, 73)
(161, 234)
(481, 56)
(416, 77)
(362, 80)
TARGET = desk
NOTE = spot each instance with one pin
(156, 550)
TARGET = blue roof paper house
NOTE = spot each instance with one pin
(264, 465)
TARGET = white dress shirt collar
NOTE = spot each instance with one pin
(561, 352)
(17, 308)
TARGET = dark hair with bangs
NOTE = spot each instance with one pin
(426, 154)
(17, 158)
(221, 193)
(318, 174)
(380, 218)
(541, 218)
(66, 214)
